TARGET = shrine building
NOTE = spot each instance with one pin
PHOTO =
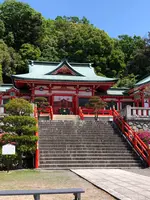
(70, 85)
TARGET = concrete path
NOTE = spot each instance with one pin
(121, 184)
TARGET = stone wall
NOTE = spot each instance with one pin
(139, 125)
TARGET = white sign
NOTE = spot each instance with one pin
(60, 98)
(8, 149)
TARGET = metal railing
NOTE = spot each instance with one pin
(132, 137)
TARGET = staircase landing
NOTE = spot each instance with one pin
(65, 117)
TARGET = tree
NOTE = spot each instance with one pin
(22, 21)
(42, 104)
(19, 107)
(1, 78)
(127, 81)
(129, 45)
(20, 127)
(29, 52)
(96, 103)
(2, 29)
(115, 63)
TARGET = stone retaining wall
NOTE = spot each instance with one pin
(139, 125)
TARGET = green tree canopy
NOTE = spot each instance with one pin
(19, 107)
(96, 103)
(22, 21)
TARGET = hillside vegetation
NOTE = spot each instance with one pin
(26, 35)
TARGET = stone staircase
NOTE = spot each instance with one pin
(83, 144)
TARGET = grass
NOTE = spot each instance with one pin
(53, 179)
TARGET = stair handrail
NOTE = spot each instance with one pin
(81, 115)
(132, 137)
(51, 113)
(36, 134)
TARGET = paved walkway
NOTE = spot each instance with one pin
(124, 185)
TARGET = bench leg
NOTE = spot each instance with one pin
(36, 197)
(77, 196)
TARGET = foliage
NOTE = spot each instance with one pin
(147, 92)
(127, 81)
(115, 63)
(145, 136)
(24, 143)
(21, 125)
(29, 51)
(18, 106)
(42, 104)
(19, 128)
(96, 103)
(25, 34)
(4, 159)
(1, 79)
(22, 21)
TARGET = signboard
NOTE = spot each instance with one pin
(8, 149)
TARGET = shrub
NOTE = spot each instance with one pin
(145, 136)
(19, 107)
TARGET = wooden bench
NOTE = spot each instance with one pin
(36, 193)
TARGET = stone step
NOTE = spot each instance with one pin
(77, 158)
(77, 142)
(86, 154)
(83, 151)
(84, 148)
(83, 145)
(89, 165)
(80, 135)
(89, 161)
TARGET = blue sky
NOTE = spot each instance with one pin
(116, 17)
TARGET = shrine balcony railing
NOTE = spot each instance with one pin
(90, 111)
(135, 113)
(83, 112)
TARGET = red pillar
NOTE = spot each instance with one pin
(93, 90)
(119, 106)
(0, 99)
(37, 143)
(142, 98)
(76, 103)
(50, 97)
(32, 93)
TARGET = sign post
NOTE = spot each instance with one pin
(8, 149)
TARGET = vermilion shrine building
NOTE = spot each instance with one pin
(70, 85)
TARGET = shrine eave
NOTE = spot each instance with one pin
(20, 79)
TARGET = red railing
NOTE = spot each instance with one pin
(90, 111)
(36, 134)
(81, 115)
(51, 112)
(132, 136)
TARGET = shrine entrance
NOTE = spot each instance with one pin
(63, 105)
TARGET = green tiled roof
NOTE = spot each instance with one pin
(5, 87)
(117, 91)
(42, 71)
(143, 81)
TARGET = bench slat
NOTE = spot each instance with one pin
(32, 192)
